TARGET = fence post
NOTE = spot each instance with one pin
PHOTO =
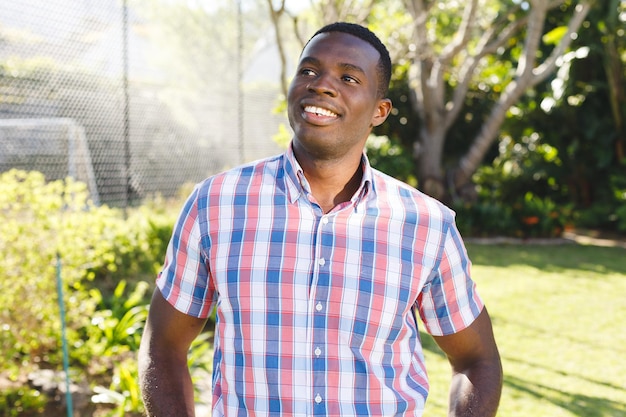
(66, 361)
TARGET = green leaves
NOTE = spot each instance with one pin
(105, 253)
(555, 35)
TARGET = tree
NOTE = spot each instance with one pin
(579, 115)
(447, 45)
(323, 12)
(456, 64)
(614, 67)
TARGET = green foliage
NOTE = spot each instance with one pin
(579, 113)
(520, 194)
(554, 36)
(525, 165)
(123, 395)
(390, 158)
(539, 217)
(527, 216)
(99, 248)
(484, 219)
(621, 218)
(15, 401)
(40, 220)
(611, 214)
(114, 330)
(283, 136)
(139, 247)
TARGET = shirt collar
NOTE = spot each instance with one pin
(298, 186)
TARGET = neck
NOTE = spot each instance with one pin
(333, 183)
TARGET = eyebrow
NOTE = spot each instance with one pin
(344, 65)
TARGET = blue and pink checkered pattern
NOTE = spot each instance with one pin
(316, 313)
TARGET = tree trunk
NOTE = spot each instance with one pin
(488, 133)
(614, 72)
(528, 75)
(429, 154)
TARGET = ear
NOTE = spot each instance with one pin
(382, 111)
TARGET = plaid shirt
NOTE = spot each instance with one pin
(316, 313)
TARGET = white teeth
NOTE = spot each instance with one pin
(319, 111)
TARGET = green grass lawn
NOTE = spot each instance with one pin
(559, 315)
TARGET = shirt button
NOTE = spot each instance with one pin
(318, 351)
(318, 398)
(322, 262)
(319, 307)
(324, 220)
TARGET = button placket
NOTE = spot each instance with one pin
(319, 331)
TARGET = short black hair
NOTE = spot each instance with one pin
(361, 32)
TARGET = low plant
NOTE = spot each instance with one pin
(51, 230)
(15, 401)
(44, 223)
(539, 217)
(529, 216)
(483, 219)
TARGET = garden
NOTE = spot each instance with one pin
(77, 276)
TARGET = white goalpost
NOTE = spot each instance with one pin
(56, 147)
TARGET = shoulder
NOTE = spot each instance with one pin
(236, 179)
(226, 187)
(412, 201)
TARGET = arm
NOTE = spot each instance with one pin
(476, 369)
(163, 372)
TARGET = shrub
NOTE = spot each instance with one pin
(529, 216)
(107, 258)
(483, 219)
(391, 159)
(539, 217)
(41, 220)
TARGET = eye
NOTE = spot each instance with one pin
(307, 72)
(349, 79)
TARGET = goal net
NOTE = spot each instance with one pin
(56, 147)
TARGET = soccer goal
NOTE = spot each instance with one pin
(56, 147)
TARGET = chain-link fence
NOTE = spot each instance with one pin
(135, 97)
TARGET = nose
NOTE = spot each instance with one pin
(322, 85)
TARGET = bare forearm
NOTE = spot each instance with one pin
(476, 392)
(167, 390)
(164, 378)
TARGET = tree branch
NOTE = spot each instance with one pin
(547, 67)
(534, 32)
(486, 46)
(462, 36)
(275, 15)
(526, 77)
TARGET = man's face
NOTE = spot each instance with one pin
(332, 100)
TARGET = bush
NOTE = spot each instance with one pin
(40, 221)
(106, 255)
(529, 216)
(484, 219)
(539, 217)
(391, 159)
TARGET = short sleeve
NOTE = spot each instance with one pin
(449, 301)
(185, 279)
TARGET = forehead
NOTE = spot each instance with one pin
(343, 49)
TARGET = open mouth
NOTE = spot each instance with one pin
(319, 111)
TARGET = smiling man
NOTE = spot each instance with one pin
(319, 267)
